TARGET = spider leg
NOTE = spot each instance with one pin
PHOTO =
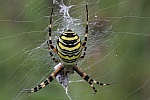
(86, 35)
(51, 54)
(46, 82)
(86, 29)
(84, 52)
(88, 79)
(50, 31)
(50, 40)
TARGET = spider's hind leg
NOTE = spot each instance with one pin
(51, 54)
(50, 31)
(49, 42)
(86, 34)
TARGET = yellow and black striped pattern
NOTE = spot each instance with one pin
(69, 48)
(89, 79)
(46, 82)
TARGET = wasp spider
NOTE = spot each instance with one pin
(69, 49)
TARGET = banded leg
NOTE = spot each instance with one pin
(50, 37)
(86, 35)
(46, 82)
(84, 52)
(86, 29)
(88, 79)
(51, 54)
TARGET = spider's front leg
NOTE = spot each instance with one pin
(46, 82)
(88, 79)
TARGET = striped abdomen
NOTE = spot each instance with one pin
(69, 48)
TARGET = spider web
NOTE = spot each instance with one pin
(118, 48)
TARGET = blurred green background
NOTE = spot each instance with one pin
(126, 61)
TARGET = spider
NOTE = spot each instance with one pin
(69, 49)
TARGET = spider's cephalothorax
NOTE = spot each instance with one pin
(69, 49)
